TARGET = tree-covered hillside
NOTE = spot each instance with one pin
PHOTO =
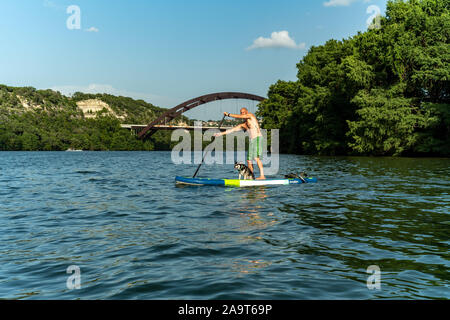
(33, 119)
(382, 92)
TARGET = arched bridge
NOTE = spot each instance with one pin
(190, 104)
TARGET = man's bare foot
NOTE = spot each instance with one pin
(261, 178)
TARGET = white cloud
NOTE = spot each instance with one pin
(53, 6)
(49, 4)
(279, 39)
(338, 3)
(342, 3)
(161, 101)
(92, 29)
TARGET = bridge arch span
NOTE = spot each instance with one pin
(192, 103)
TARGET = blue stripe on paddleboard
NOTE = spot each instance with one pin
(200, 181)
(221, 182)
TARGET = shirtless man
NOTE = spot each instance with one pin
(255, 148)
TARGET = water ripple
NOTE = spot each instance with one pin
(135, 235)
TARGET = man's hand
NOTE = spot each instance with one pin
(226, 114)
(218, 134)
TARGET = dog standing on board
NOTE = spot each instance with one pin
(244, 171)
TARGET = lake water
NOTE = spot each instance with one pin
(133, 234)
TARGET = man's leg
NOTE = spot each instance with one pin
(250, 164)
(261, 170)
(250, 155)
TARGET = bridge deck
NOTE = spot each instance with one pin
(167, 127)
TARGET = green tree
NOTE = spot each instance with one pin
(382, 92)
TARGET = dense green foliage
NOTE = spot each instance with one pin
(381, 92)
(33, 119)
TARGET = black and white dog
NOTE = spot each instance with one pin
(244, 171)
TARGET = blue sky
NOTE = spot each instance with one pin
(166, 52)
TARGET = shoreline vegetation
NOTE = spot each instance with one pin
(45, 120)
(382, 92)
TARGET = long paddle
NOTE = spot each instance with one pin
(204, 156)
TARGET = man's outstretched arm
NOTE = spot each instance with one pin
(239, 116)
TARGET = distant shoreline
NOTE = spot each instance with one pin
(291, 154)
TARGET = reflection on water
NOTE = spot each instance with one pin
(135, 235)
(251, 207)
(244, 266)
(252, 200)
